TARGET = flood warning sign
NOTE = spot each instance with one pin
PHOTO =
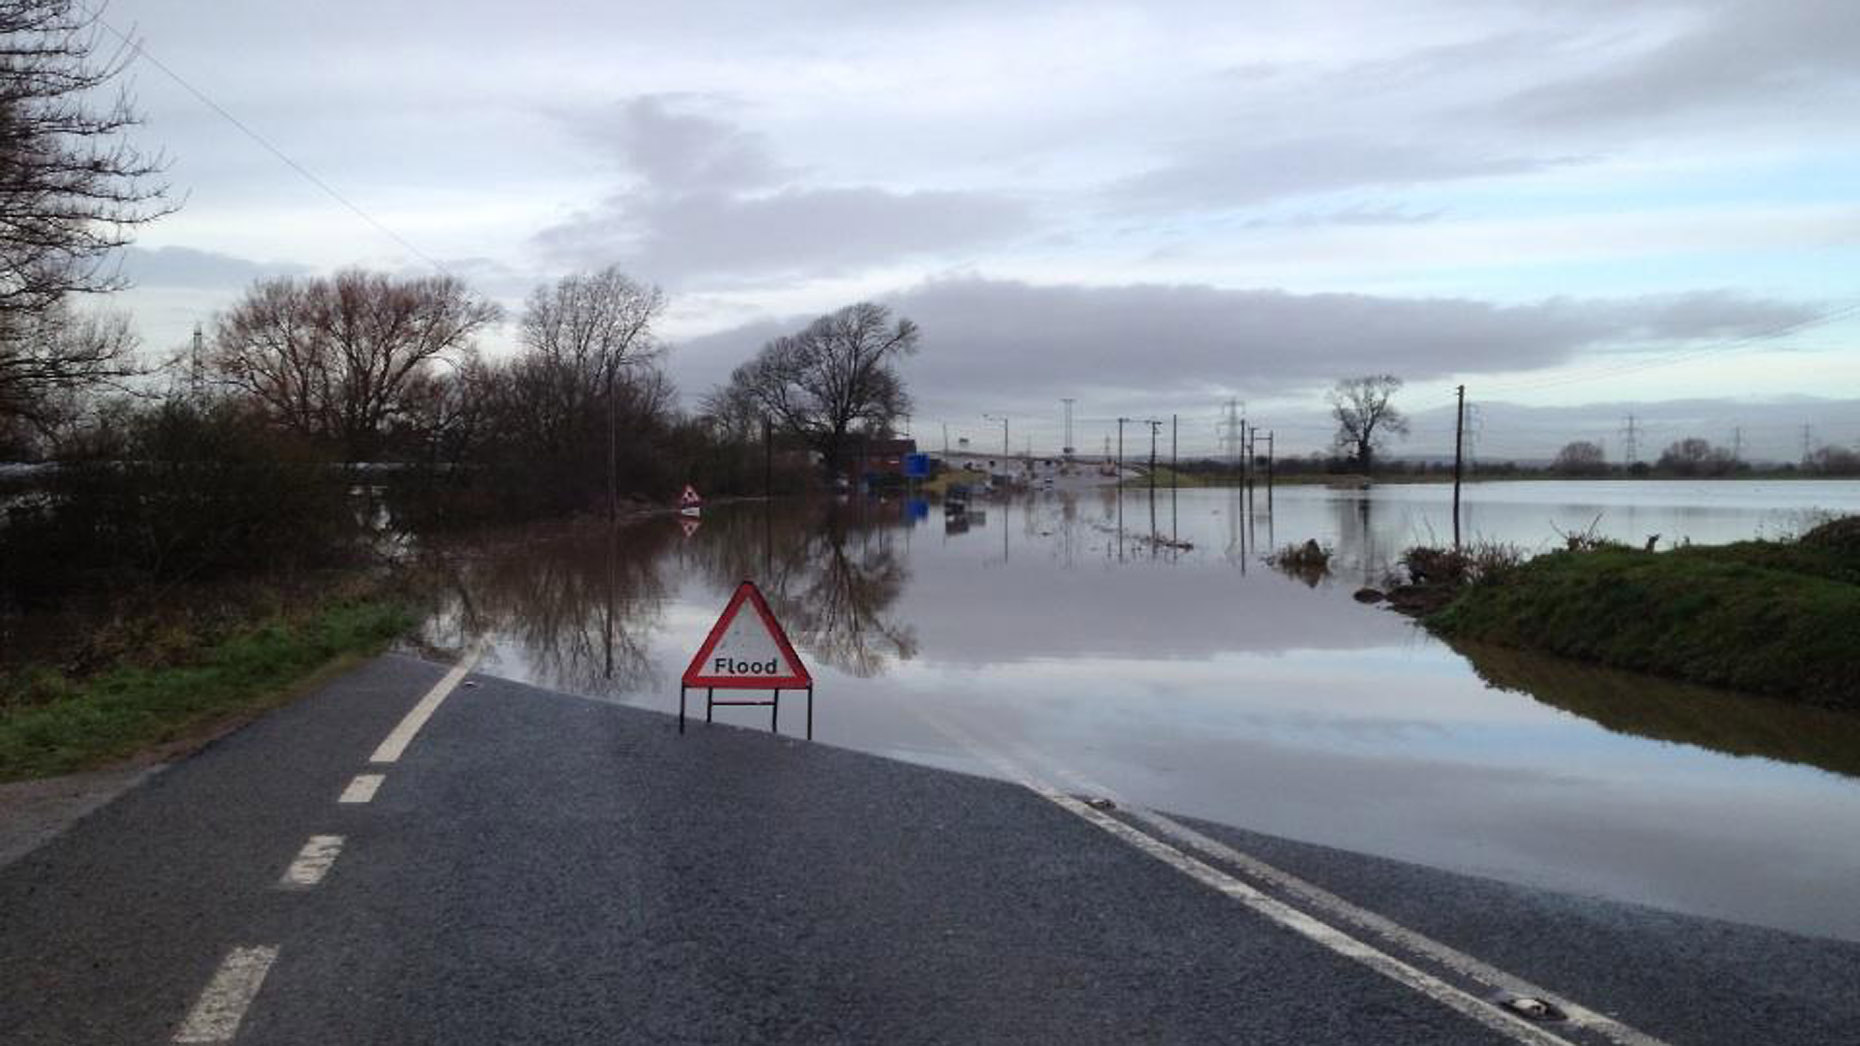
(747, 649)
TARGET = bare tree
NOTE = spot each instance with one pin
(72, 191)
(340, 359)
(591, 324)
(1580, 458)
(581, 333)
(1694, 456)
(49, 358)
(1833, 460)
(833, 378)
(1366, 415)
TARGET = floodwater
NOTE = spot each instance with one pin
(1141, 646)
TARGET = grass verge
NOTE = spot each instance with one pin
(1763, 617)
(51, 725)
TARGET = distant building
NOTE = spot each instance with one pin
(878, 458)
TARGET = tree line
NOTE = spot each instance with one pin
(244, 453)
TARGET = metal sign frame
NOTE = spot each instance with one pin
(695, 677)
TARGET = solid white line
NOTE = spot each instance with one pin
(362, 789)
(216, 1016)
(313, 862)
(1464, 1003)
(401, 736)
(1333, 906)
(1458, 961)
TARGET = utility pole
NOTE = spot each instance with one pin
(768, 459)
(946, 439)
(1175, 477)
(613, 448)
(1155, 425)
(1120, 448)
(1067, 450)
(1268, 469)
(1459, 445)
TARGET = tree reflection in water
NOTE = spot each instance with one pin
(580, 605)
(1644, 706)
(831, 573)
(578, 602)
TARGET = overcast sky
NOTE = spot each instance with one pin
(1148, 207)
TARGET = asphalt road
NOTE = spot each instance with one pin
(539, 868)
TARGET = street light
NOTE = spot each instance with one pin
(1002, 418)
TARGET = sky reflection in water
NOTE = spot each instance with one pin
(1202, 682)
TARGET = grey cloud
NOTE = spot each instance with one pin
(709, 201)
(791, 232)
(1222, 175)
(1738, 54)
(685, 151)
(1704, 314)
(1003, 342)
(188, 268)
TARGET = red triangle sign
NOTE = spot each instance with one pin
(747, 651)
(690, 496)
(690, 525)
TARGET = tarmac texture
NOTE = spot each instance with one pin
(540, 868)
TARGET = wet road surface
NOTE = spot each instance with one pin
(542, 868)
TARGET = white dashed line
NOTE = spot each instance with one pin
(216, 1016)
(402, 734)
(313, 862)
(362, 789)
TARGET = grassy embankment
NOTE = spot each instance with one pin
(53, 724)
(1765, 617)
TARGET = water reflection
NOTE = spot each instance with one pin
(1667, 711)
(578, 604)
(831, 572)
(1135, 640)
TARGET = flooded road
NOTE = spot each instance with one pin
(1143, 644)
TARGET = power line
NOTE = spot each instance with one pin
(136, 48)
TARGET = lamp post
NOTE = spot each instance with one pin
(1002, 418)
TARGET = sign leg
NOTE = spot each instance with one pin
(710, 697)
(810, 713)
(681, 709)
(775, 714)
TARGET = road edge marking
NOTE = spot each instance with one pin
(1480, 1011)
(397, 740)
(217, 1014)
(1460, 962)
(1337, 908)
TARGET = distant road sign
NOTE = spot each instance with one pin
(917, 466)
(689, 499)
(747, 649)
